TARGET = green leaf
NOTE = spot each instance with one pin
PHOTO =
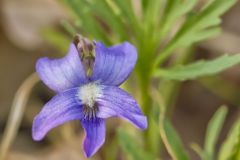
(172, 141)
(236, 150)
(110, 14)
(174, 10)
(196, 23)
(213, 131)
(127, 12)
(206, 34)
(231, 144)
(68, 27)
(154, 138)
(152, 14)
(88, 22)
(199, 68)
(132, 147)
(198, 150)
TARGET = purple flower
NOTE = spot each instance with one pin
(90, 98)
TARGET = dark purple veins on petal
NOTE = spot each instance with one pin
(89, 113)
(88, 63)
(61, 108)
(113, 64)
(94, 135)
(64, 73)
(116, 102)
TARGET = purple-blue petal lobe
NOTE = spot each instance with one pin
(113, 64)
(64, 73)
(60, 109)
(116, 102)
(94, 135)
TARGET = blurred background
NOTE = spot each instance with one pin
(22, 42)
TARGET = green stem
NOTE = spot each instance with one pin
(146, 103)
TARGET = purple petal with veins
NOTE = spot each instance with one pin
(88, 98)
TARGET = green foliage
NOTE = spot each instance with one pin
(199, 151)
(113, 21)
(132, 147)
(158, 28)
(172, 141)
(174, 10)
(230, 149)
(199, 68)
(198, 26)
(213, 131)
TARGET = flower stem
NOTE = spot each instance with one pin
(146, 104)
(16, 114)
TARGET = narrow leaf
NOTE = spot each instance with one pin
(89, 23)
(213, 131)
(199, 68)
(172, 141)
(236, 150)
(198, 150)
(196, 23)
(108, 12)
(173, 11)
(127, 12)
(152, 14)
(233, 140)
(69, 28)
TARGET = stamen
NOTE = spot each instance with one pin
(89, 113)
(88, 94)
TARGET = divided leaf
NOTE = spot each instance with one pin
(196, 25)
(199, 68)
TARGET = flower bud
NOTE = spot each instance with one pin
(86, 49)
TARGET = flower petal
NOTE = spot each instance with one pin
(61, 108)
(116, 102)
(113, 65)
(94, 135)
(64, 73)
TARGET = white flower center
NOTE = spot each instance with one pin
(88, 94)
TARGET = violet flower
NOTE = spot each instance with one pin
(89, 97)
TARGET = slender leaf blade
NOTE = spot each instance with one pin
(213, 131)
(111, 16)
(88, 23)
(174, 10)
(198, 150)
(172, 141)
(199, 68)
(233, 139)
(196, 23)
(127, 12)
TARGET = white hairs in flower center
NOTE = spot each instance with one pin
(88, 94)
